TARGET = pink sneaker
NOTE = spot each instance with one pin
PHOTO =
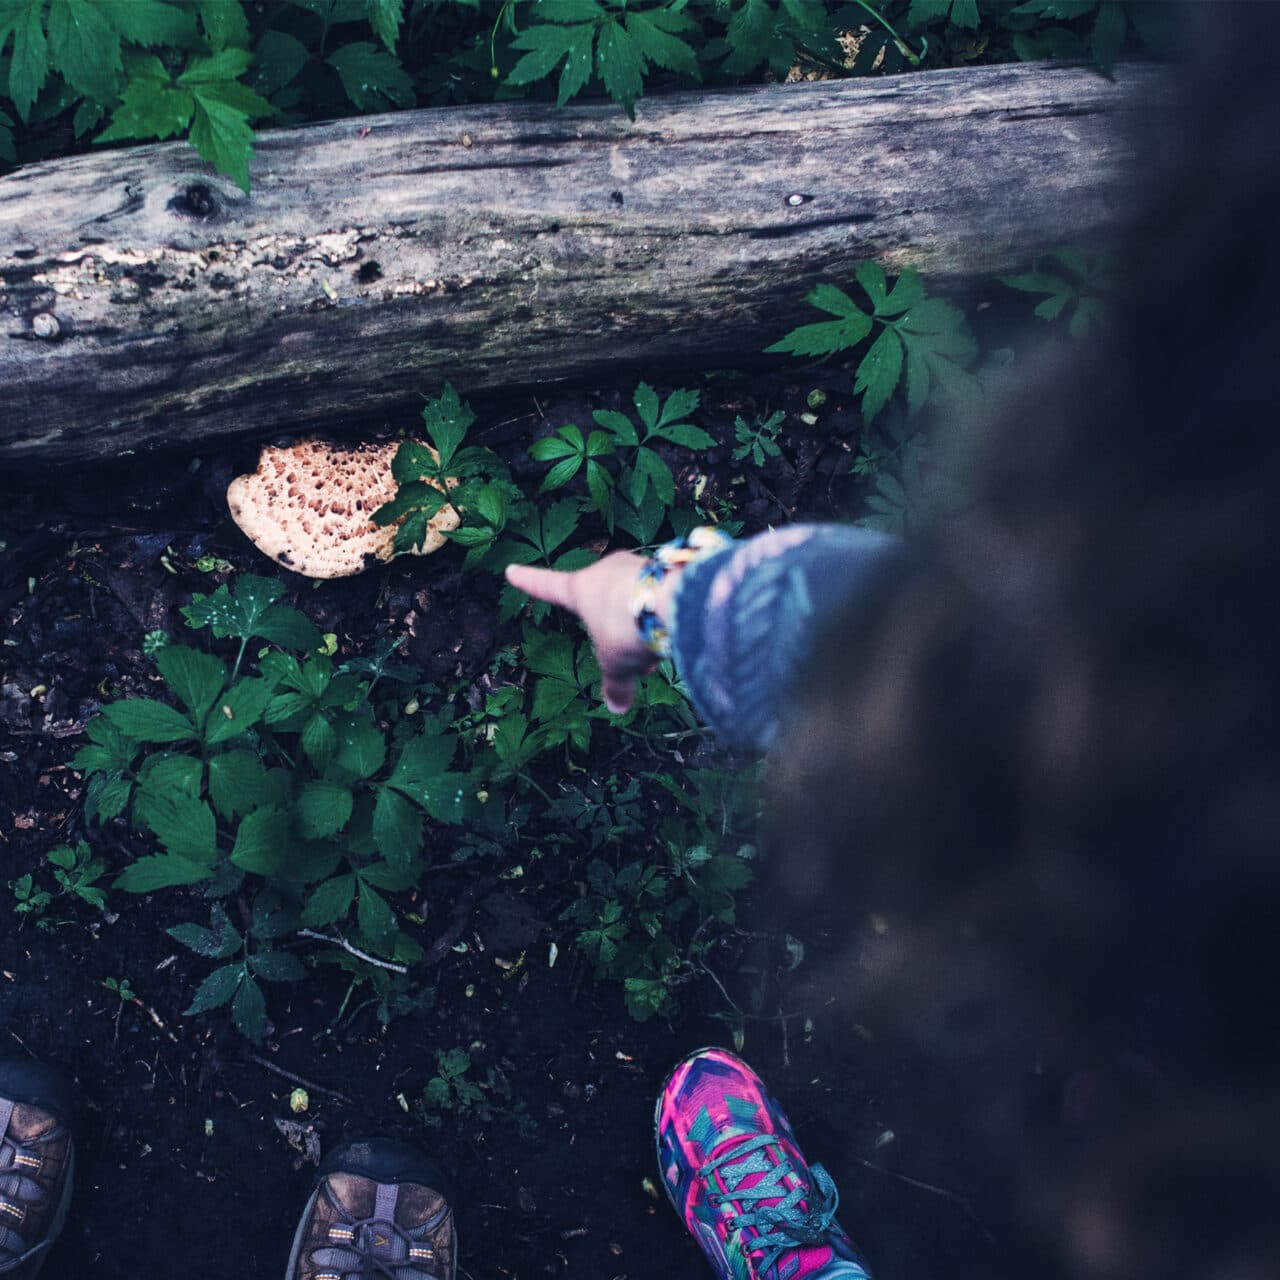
(734, 1173)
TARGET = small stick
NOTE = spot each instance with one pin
(954, 1196)
(268, 1065)
(354, 951)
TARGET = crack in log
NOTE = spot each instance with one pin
(780, 230)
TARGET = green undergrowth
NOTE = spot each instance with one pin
(289, 802)
(75, 73)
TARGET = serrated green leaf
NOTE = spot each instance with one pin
(153, 23)
(397, 826)
(277, 61)
(362, 747)
(551, 447)
(84, 47)
(686, 436)
(558, 522)
(161, 871)
(324, 808)
(222, 136)
(151, 106)
(197, 678)
(183, 774)
(620, 65)
(319, 741)
(224, 23)
(1108, 35)
(234, 617)
(623, 429)
(373, 79)
(215, 990)
(277, 966)
(238, 782)
(182, 823)
(376, 919)
(878, 373)
(29, 66)
(249, 1011)
(561, 474)
(147, 720)
(330, 902)
(651, 469)
(544, 46)
(223, 939)
(385, 16)
(262, 841)
(660, 47)
(826, 337)
(240, 709)
(647, 405)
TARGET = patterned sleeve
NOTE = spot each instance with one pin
(745, 619)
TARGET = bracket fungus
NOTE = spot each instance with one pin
(308, 506)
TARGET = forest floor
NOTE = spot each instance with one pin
(185, 1170)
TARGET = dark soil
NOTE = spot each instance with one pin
(183, 1172)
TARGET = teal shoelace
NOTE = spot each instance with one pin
(781, 1226)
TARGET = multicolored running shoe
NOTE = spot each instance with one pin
(734, 1173)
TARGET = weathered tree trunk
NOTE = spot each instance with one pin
(147, 302)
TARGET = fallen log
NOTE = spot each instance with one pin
(147, 302)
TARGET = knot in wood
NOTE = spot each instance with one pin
(196, 201)
(45, 325)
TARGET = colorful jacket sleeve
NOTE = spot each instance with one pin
(745, 619)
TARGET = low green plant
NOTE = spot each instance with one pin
(279, 784)
(470, 1101)
(210, 70)
(923, 345)
(1078, 284)
(76, 875)
(758, 439)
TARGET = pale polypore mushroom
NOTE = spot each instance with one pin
(308, 506)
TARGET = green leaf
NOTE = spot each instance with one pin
(878, 373)
(561, 474)
(661, 47)
(173, 773)
(183, 824)
(373, 79)
(249, 1011)
(238, 782)
(386, 16)
(8, 152)
(161, 871)
(278, 966)
(290, 629)
(29, 66)
(84, 47)
(319, 741)
(680, 404)
(1108, 35)
(239, 710)
(330, 902)
(215, 990)
(222, 136)
(216, 943)
(376, 919)
(686, 436)
(620, 65)
(197, 678)
(829, 336)
(647, 405)
(151, 106)
(324, 808)
(362, 748)
(277, 61)
(224, 23)
(146, 720)
(262, 841)
(397, 827)
(154, 23)
(650, 469)
(558, 521)
(234, 617)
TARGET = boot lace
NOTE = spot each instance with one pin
(782, 1226)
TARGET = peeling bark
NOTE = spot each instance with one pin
(146, 302)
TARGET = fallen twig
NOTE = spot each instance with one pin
(337, 941)
(268, 1065)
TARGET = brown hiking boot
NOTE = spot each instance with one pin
(37, 1164)
(380, 1208)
